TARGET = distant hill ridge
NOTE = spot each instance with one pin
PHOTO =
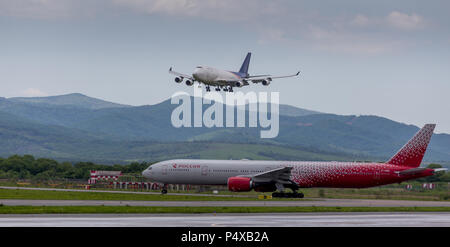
(78, 127)
(73, 99)
(83, 101)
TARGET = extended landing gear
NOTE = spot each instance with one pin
(293, 186)
(208, 89)
(164, 190)
(217, 89)
(228, 89)
(287, 195)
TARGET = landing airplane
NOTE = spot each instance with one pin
(226, 80)
(270, 176)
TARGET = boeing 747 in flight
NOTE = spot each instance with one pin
(272, 176)
(226, 80)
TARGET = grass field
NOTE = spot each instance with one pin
(389, 193)
(69, 195)
(385, 193)
(198, 210)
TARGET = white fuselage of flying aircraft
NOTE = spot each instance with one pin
(223, 79)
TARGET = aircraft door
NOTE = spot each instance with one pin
(164, 170)
(376, 175)
(204, 170)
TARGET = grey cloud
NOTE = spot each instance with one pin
(221, 10)
(36, 8)
(324, 26)
(404, 21)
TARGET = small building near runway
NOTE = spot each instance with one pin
(118, 180)
(97, 176)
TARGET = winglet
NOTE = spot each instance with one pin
(411, 154)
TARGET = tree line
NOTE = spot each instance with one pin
(28, 167)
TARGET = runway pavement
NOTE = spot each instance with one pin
(407, 219)
(275, 203)
(261, 203)
(233, 220)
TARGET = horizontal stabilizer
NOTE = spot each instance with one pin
(440, 170)
(411, 171)
(418, 170)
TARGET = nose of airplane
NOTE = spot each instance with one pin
(147, 173)
(196, 73)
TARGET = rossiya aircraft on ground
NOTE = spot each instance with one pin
(223, 79)
(273, 176)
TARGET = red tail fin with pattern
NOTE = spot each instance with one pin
(412, 153)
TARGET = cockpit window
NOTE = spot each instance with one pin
(199, 67)
(149, 168)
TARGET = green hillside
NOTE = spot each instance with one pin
(77, 127)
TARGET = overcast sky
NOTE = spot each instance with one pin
(385, 58)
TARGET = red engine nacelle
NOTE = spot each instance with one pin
(239, 184)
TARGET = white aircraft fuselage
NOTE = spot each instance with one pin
(268, 175)
(213, 76)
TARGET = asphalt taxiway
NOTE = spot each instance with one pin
(435, 219)
(256, 203)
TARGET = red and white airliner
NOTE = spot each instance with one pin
(273, 176)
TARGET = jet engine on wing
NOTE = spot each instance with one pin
(266, 82)
(239, 84)
(178, 79)
(239, 184)
(189, 82)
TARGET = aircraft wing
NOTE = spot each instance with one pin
(180, 74)
(261, 78)
(279, 175)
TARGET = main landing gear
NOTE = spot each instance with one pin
(228, 89)
(293, 186)
(224, 88)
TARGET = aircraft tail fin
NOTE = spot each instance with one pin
(411, 154)
(245, 64)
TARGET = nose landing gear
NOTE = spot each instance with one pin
(164, 190)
